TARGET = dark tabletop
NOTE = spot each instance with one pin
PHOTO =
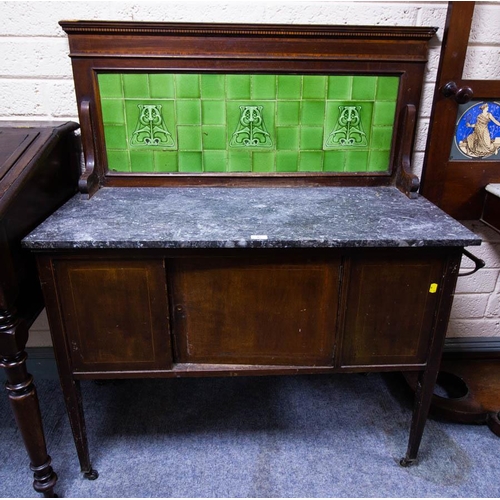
(248, 217)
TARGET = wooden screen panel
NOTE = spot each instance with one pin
(131, 51)
(390, 309)
(115, 313)
(234, 311)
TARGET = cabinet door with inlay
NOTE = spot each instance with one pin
(254, 310)
(115, 313)
(390, 307)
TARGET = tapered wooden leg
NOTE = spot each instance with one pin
(73, 400)
(70, 386)
(423, 397)
(494, 423)
(427, 378)
(24, 401)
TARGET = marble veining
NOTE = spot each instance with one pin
(248, 217)
(493, 189)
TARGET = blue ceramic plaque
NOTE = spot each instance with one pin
(477, 133)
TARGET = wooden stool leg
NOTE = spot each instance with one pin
(24, 402)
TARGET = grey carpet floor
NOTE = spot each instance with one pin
(303, 436)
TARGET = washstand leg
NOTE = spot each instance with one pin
(494, 423)
(423, 397)
(73, 400)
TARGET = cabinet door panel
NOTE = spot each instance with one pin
(390, 308)
(115, 313)
(254, 311)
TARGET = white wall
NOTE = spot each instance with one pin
(36, 83)
(476, 307)
(35, 71)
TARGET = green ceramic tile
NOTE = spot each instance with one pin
(289, 86)
(364, 87)
(187, 86)
(239, 161)
(287, 161)
(387, 88)
(311, 138)
(214, 161)
(188, 112)
(190, 161)
(288, 113)
(233, 113)
(214, 137)
(161, 85)
(339, 87)
(213, 112)
(337, 113)
(239, 130)
(112, 111)
(311, 161)
(213, 86)
(332, 114)
(168, 114)
(115, 137)
(118, 161)
(201, 113)
(381, 138)
(133, 112)
(263, 87)
(238, 86)
(314, 87)
(334, 161)
(189, 138)
(379, 161)
(263, 161)
(366, 114)
(165, 161)
(110, 84)
(383, 113)
(313, 113)
(287, 138)
(135, 85)
(141, 161)
(356, 161)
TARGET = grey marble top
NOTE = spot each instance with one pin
(248, 217)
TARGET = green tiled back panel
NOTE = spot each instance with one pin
(164, 122)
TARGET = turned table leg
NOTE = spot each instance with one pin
(24, 401)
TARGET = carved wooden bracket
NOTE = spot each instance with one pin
(88, 183)
(406, 181)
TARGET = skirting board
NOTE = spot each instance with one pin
(472, 346)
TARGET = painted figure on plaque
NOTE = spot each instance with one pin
(484, 140)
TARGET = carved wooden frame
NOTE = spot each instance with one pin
(132, 46)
